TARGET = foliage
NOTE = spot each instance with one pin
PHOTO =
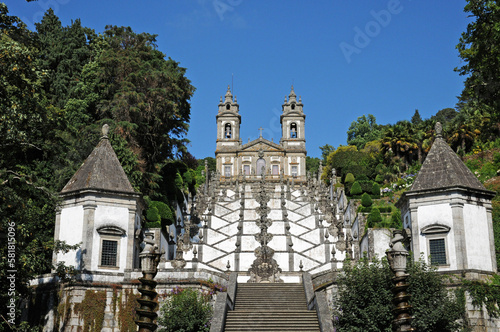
(366, 200)
(363, 130)
(60, 84)
(485, 293)
(363, 302)
(91, 310)
(480, 51)
(312, 165)
(376, 189)
(396, 221)
(159, 214)
(373, 218)
(186, 310)
(416, 118)
(349, 178)
(356, 188)
(325, 152)
(434, 308)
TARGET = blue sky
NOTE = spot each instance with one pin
(345, 58)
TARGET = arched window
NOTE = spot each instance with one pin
(293, 130)
(293, 106)
(227, 131)
(228, 107)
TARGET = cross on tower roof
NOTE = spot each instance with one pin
(261, 129)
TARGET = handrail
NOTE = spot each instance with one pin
(317, 301)
(223, 303)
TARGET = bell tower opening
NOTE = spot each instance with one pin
(227, 131)
(293, 130)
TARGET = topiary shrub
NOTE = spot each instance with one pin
(185, 310)
(158, 214)
(349, 178)
(356, 189)
(379, 178)
(376, 189)
(373, 218)
(366, 200)
(396, 221)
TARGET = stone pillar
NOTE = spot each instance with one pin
(130, 239)
(57, 228)
(88, 235)
(415, 231)
(491, 237)
(457, 212)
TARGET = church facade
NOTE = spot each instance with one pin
(288, 157)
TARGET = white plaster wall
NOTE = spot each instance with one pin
(71, 228)
(477, 238)
(110, 216)
(381, 239)
(437, 214)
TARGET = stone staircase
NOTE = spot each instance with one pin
(271, 307)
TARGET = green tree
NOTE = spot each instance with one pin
(312, 165)
(366, 200)
(363, 302)
(373, 218)
(147, 98)
(27, 196)
(185, 310)
(396, 221)
(362, 131)
(356, 188)
(416, 118)
(325, 152)
(349, 178)
(376, 189)
(480, 51)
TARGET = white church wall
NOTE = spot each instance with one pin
(437, 214)
(110, 216)
(71, 225)
(477, 238)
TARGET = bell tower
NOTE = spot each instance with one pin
(228, 134)
(293, 135)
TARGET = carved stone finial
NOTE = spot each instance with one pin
(105, 131)
(439, 129)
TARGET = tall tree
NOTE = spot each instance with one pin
(416, 118)
(362, 131)
(479, 48)
(146, 96)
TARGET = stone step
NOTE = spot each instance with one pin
(271, 307)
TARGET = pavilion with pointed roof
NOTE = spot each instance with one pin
(101, 211)
(448, 212)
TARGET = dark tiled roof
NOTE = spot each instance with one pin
(442, 169)
(101, 170)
